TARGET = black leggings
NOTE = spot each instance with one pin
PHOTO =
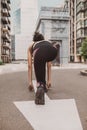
(45, 53)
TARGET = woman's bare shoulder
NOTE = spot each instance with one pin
(30, 46)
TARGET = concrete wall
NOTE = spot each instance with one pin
(28, 17)
(21, 46)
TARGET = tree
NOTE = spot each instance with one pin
(84, 49)
(1, 63)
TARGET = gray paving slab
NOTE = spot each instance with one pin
(66, 84)
(13, 87)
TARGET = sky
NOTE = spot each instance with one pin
(50, 3)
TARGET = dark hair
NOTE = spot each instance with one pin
(38, 37)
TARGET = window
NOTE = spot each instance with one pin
(80, 7)
(17, 21)
(80, 33)
(85, 31)
(85, 23)
(80, 24)
(85, 5)
(78, 1)
(80, 15)
(85, 14)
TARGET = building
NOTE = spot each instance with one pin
(72, 28)
(13, 47)
(53, 23)
(78, 28)
(5, 29)
(52, 3)
(24, 18)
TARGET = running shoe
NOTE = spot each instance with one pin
(40, 96)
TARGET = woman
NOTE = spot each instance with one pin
(43, 52)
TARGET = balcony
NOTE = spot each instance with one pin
(4, 12)
(6, 37)
(9, 14)
(6, 46)
(4, 4)
(8, 7)
(7, 40)
(9, 28)
(85, 5)
(4, 20)
(4, 55)
(80, 37)
(78, 1)
(6, 58)
(8, 1)
(4, 1)
(80, 9)
(4, 28)
(9, 21)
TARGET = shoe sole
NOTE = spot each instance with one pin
(39, 97)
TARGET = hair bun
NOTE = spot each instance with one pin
(38, 37)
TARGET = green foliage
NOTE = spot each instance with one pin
(84, 49)
(1, 63)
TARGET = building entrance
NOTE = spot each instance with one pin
(57, 60)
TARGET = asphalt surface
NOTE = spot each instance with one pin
(66, 84)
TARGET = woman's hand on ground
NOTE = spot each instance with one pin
(31, 87)
(48, 84)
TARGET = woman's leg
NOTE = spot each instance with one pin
(44, 54)
(40, 70)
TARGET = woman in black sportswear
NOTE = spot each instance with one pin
(43, 52)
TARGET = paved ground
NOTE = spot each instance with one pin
(67, 83)
(21, 66)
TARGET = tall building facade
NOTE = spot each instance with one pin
(78, 28)
(24, 20)
(5, 29)
(53, 23)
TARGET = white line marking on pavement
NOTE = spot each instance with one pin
(54, 115)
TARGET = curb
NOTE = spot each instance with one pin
(83, 72)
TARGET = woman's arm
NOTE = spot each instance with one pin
(30, 69)
(49, 74)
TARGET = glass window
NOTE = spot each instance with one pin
(80, 6)
(80, 33)
(85, 23)
(17, 21)
(78, 1)
(85, 13)
(85, 4)
(80, 24)
(85, 31)
(80, 15)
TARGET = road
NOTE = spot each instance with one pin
(66, 84)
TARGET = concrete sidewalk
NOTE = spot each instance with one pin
(9, 68)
